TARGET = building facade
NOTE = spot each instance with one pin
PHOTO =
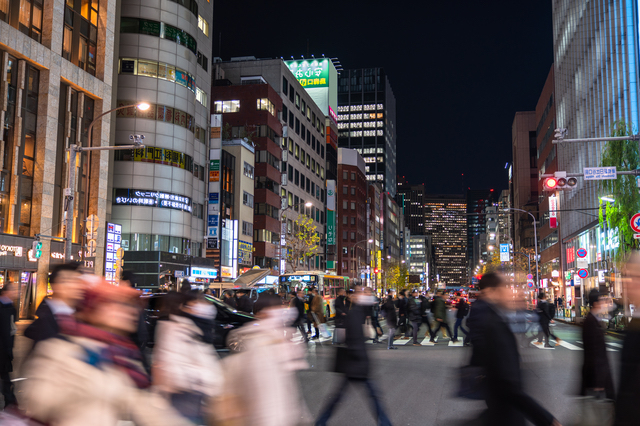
(477, 201)
(55, 80)
(446, 222)
(353, 245)
(367, 122)
(411, 199)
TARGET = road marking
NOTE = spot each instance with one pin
(569, 346)
(402, 341)
(615, 345)
(539, 346)
(426, 342)
(459, 343)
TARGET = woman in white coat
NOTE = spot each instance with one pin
(186, 367)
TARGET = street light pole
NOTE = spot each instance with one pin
(74, 152)
(535, 237)
(353, 249)
(282, 211)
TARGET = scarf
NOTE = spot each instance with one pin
(119, 351)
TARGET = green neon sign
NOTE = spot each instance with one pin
(310, 72)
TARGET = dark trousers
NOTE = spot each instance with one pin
(392, 333)
(425, 320)
(546, 331)
(300, 326)
(416, 326)
(383, 420)
(441, 324)
(455, 329)
(7, 389)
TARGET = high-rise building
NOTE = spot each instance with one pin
(446, 222)
(477, 201)
(159, 193)
(304, 140)
(57, 76)
(410, 198)
(353, 246)
(525, 177)
(367, 122)
(596, 85)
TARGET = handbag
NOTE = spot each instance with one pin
(595, 410)
(189, 404)
(339, 336)
(472, 382)
(368, 330)
(324, 331)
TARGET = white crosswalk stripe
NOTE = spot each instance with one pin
(569, 346)
(615, 345)
(402, 341)
(459, 343)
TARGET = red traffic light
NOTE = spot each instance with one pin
(550, 184)
(375, 271)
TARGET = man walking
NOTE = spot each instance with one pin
(298, 304)
(401, 304)
(545, 314)
(439, 308)
(463, 310)
(425, 304)
(341, 308)
(413, 312)
(389, 309)
(8, 319)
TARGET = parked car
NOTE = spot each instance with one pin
(227, 319)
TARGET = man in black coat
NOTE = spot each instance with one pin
(244, 303)
(353, 362)
(627, 406)
(413, 314)
(425, 304)
(463, 310)
(341, 308)
(298, 304)
(229, 299)
(596, 374)
(389, 309)
(545, 314)
(8, 318)
(401, 304)
(497, 352)
(68, 290)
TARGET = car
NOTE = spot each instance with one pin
(227, 319)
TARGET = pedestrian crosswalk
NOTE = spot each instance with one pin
(577, 345)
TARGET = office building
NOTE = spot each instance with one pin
(352, 242)
(411, 200)
(367, 122)
(57, 76)
(420, 260)
(159, 193)
(588, 107)
(446, 222)
(375, 232)
(477, 201)
(303, 137)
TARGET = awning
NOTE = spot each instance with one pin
(250, 277)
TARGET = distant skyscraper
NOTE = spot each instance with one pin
(367, 122)
(446, 221)
(410, 199)
(477, 200)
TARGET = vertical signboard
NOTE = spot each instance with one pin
(331, 214)
(553, 207)
(504, 252)
(113, 255)
(213, 208)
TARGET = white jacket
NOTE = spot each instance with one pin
(182, 362)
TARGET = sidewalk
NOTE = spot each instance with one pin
(612, 333)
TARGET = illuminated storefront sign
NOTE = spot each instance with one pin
(227, 271)
(311, 72)
(204, 273)
(16, 250)
(244, 252)
(609, 240)
(114, 239)
(136, 197)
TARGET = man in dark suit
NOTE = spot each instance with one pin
(497, 352)
(627, 407)
(244, 303)
(596, 374)
(341, 308)
(545, 314)
(298, 304)
(353, 362)
(68, 289)
(8, 318)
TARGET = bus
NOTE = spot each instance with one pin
(327, 285)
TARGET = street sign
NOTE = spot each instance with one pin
(583, 273)
(530, 284)
(581, 253)
(599, 173)
(504, 252)
(635, 223)
(553, 206)
(529, 276)
(636, 236)
(568, 275)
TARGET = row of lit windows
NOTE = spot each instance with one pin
(368, 107)
(370, 150)
(375, 177)
(226, 106)
(365, 116)
(359, 133)
(373, 159)
(266, 105)
(155, 69)
(360, 125)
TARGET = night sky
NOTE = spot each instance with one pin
(459, 69)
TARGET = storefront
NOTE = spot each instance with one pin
(156, 270)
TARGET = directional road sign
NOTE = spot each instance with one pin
(504, 252)
(581, 253)
(529, 276)
(583, 273)
(635, 223)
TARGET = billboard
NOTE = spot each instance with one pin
(311, 72)
(331, 217)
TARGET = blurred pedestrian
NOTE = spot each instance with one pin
(389, 309)
(439, 309)
(8, 318)
(341, 308)
(596, 374)
(401, 304)
(353, 363)
(264, 373)
(243, 303)
(413, 314)
(298, 304)
(317, 310)
(425, 306)
(545, 313)
(92, 373)
(186, 367)
(229, 299)
(628, 395)
(497, 351)
(68, 291)
(141, 336)
(461, 313)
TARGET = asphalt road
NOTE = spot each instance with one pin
(418, 382)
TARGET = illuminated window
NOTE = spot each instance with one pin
(266, 105)
(201, 96)
(226, 106)
(203, 25)
(356, 107)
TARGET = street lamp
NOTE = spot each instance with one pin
(353, 248)
(535, 237)
(293, 206)
(74, 151)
